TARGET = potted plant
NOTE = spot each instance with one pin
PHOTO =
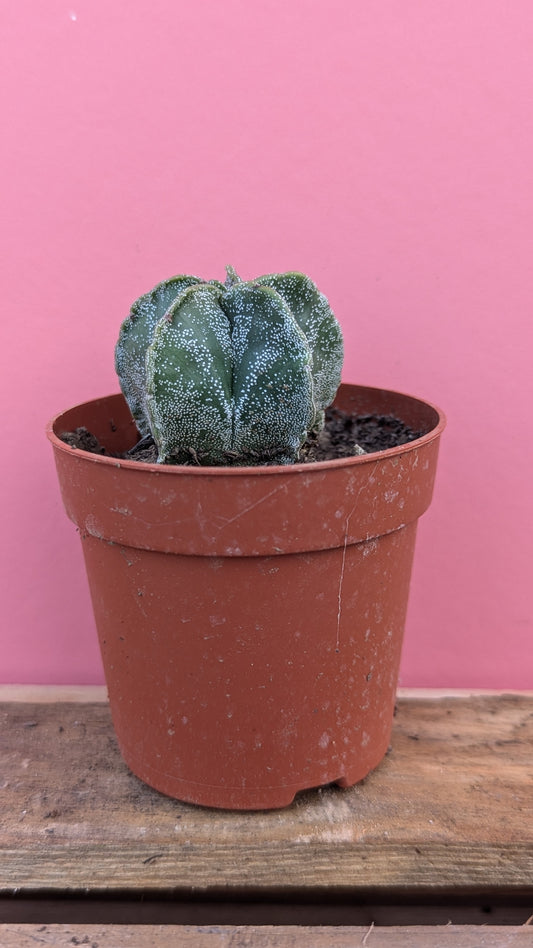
(250, 601)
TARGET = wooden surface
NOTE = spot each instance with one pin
(123, 936)
(449, 810)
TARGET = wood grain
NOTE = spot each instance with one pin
(171, 936)
(450, 810)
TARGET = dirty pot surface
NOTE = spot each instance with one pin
(250, 619)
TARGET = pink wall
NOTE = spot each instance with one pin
(386, 149)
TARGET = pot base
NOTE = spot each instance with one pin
(239, 798)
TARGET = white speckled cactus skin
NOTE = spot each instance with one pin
(234, 373)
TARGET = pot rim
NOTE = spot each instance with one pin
(252, 470)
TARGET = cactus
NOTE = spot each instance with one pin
(234, 373)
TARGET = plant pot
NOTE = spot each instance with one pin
(250, 619)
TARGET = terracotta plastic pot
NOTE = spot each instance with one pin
(250, 619)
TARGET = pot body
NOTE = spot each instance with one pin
(250, 619)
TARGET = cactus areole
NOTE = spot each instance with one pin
(234, 373)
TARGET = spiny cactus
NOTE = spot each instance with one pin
(234, 373)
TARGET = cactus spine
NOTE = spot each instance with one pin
(234, 373)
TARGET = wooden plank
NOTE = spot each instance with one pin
(170, 936)
(51, 694)
(93, 693)
(450, 810)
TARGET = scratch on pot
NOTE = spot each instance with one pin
(246, 510)
(341, 580)
(343, 563)
(138, 600)
(126, 556)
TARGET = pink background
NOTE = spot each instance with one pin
(386, 149)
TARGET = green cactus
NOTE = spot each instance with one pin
(234, 373)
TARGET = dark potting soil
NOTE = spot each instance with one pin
(343, 436)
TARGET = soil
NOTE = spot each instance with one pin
(343, 435)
